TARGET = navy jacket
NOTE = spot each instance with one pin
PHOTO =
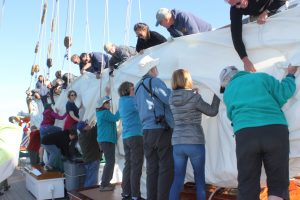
(186, 23)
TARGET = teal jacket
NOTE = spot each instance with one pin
(106, 126)
(131, 123)
(255, 99)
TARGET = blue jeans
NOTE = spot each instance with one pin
(91, 173)
(181, 153)
(53, 154)
(52, 151)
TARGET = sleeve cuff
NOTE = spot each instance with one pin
(291, 75)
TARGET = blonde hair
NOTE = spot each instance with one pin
(181, 79)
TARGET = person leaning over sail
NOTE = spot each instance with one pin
(132, 136)
(146, 37)
(253, 102)
(152, 98)
(94, 62)
(119, 54)
(260, 8)
(188, 140)
(180, 23)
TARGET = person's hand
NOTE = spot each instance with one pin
(107, 90)
(111, 73)
(82, 71)
(141, 52)
(248, 65)
(170, 39)
(292, 69)
(98, 75)
(196, 90)
(262, 18)
(56, 110)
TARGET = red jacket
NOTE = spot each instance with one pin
(34, 141)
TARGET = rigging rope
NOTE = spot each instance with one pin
(35, 67)
(2, 12)
(69, 32)
(87, 29)
(58, 34)
(105, 36)
(52, 35)
(127, 22)
(140, 12)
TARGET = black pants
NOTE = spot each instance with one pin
(268, 145)
(159, 162)
(134, 157)
(108, 149)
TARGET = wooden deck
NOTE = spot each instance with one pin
(18, 189)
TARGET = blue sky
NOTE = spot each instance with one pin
(20, 28)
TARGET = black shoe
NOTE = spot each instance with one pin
(48, 168)
(126, 197)
(1, 193)
(109, 187)
(42, 164)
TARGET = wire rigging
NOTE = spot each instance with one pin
(2, 12)
(52, 35)
(87, 43)
(127, 22)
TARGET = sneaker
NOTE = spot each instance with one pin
(48, 168)
(138, 198)
(126, 197)
(109, 187)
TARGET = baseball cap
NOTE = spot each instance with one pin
(105, 99)
(81, 125)
(225, 76)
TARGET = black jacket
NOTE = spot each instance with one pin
(155, 39)
(254, 8)
(61, 139)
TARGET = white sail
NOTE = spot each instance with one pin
(271, 47)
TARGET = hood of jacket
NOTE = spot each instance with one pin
(181, 96)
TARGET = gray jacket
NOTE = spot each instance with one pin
(187, 107)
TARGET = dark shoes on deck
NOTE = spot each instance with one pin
(109, 187)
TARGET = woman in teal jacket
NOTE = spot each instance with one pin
(253, 102)
(107, 138)
(132, 141)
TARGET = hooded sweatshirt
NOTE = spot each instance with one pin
(187, 107)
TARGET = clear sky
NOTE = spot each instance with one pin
(19, 31)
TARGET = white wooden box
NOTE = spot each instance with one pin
(45, 188)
